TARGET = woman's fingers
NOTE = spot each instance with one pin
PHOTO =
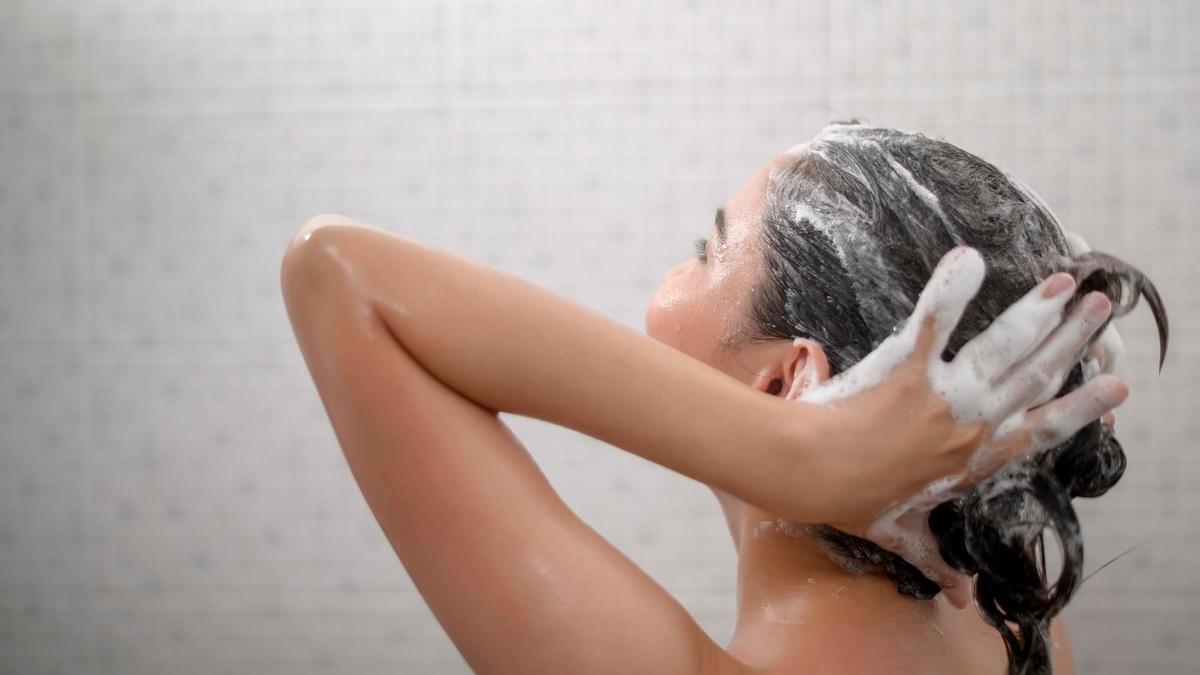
(942, 302)
(955, 280)
(908, 535)
(1020, 328)
(1047, 365)
(955, 584)
(1058, 420)
(1048, 425)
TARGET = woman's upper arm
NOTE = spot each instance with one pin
(518, 581)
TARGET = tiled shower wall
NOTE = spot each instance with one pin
(172, 498)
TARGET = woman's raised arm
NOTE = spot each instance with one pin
(511, 346)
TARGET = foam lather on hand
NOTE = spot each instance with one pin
(994, 378)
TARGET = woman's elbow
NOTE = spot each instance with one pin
(317, 222)
(313, 254)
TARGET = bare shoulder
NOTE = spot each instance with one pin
(848, 630)
(832, 628)
(1061, 652)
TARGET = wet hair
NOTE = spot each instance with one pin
(854, 223)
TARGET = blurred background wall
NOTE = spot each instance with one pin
(172, 497)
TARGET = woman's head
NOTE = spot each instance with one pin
(834, 241)
(703, 306)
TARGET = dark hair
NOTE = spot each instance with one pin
(852, 229)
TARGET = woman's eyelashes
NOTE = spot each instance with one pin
(702, 249)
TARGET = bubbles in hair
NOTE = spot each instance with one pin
(853, 227)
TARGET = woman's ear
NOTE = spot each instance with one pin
(809, 367)
(796, 367)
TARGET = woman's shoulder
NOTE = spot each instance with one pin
(847, 631)
(861, 624)
(1061, 651)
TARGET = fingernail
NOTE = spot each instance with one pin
(1096, 304)
(1060, 283)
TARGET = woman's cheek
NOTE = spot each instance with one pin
(666, 313)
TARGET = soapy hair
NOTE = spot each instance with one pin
(855, 222)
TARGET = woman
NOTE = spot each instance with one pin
(415, 350)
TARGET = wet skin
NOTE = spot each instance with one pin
(797, 610)
(518, 581)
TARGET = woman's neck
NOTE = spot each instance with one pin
(783, 568)
(791, 590)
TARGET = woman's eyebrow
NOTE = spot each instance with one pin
(720, 223)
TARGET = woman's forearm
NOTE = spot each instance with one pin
(515, 347)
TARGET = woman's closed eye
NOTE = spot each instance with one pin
(702, 249)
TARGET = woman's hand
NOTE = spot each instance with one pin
(908, 430)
